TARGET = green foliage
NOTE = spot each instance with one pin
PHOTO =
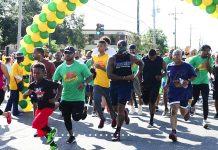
(70, 32)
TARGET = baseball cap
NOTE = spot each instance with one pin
(19, 54)
(69, 49)
(132, 46)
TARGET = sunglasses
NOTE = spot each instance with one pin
(68, 52)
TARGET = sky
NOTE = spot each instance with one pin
(122, 14)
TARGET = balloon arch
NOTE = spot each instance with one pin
(53, 14)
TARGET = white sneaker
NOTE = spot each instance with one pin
(140, 110)
(205, 124)
(132, 110)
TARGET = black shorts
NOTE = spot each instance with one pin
(149, 94)
(74, 108)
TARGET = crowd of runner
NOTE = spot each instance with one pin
(110, 79)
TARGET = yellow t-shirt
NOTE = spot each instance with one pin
(17, 70)
(101, 78)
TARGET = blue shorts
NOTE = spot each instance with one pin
(183, 103)
(120, 93)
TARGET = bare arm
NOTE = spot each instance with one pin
(6, 74)
(58, 95)
(27, 93)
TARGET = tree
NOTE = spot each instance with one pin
(70, 32)
(161, 40)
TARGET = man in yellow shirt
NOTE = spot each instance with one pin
(101, 84)
(16, 76)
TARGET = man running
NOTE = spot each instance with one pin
(120, 72)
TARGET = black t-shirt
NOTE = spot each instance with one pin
(57, 63)
(43, 91)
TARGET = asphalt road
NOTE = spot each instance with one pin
(191, 135)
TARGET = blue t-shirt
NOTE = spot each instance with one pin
(176, 72)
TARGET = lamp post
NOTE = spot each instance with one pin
(19, 23)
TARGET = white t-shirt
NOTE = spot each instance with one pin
(110, 51)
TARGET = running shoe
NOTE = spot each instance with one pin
(101, 124)
(94, 114)
(116, 136)
(9, 118)
(151, 125)
(71, 139)
(156, 108)
(205, 124)
(166, 111)
(51, 136)
(54, 147)
(173, 137)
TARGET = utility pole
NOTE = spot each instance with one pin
(175, 34)
(154, 25)
(19, 23)
(138, 30)
(190, 36)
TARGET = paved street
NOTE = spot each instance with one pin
(191, 135)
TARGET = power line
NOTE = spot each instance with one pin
(117, 11)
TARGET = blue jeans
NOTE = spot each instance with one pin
(13, 100)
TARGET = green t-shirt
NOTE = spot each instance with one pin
(134, 66)
(202, 74)
(89, 65)
(72, 76)
(167, 60)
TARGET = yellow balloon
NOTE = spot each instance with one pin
(50, 30)
(202, 6)
(57, 1)
(207, 2)
(26, 72)
(216, 8)
(44, 40)
(189, 1)
(42, 26)
(35, 37)
(29, 48)
(77, 2)
(61, 6)
(20, 96)
(22, 43)
(29, 107)
(59, 21)
(28, 31)
(26, 61)
(68, 13)
(36, 19)
(45, 8)
(51, 16)
(26, 84)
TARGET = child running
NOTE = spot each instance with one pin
(44, 91)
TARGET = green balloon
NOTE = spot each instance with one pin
(30, 56)
(34, 28)
(52, 6)
(38, 44)
(83, 1)
(60, 14)
(215, 2)
(44, 35)
(27, 67)
(26, 80)
(27, 39)
(23, 50)
(66, 0)
(211, 8)
(23, 103)
(52, 24)
(71, 6)
(197, 2)
(42, 17)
